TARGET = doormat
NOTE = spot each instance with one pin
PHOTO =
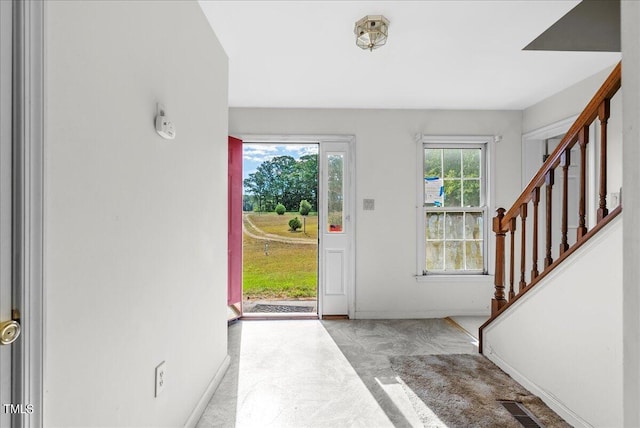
(466, 391)
(280, 308)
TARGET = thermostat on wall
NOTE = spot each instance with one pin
(164, 127)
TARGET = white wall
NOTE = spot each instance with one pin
(630, 14)
(563, 339)
(614, 145)
(564, 104)
(386, 171)
(135, 226)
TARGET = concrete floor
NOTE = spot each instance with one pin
(313, 373)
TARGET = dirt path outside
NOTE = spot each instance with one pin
(260, 235)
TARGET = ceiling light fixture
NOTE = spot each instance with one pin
(371, 32)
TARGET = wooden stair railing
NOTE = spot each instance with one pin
(506, 222)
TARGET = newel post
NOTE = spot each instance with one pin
(499, 300)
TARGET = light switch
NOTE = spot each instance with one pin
(368, 204)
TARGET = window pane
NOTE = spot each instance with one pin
(433, 177)
(435, 255)
(435, 226)
(471, 193)
(454, 256)
(452, 193)
(471, 163)
(454, 240)
(473, 226)
(453, 228)
(335, 190)
(474, 255)
(452, 163)
(432, 163)
(460, 246)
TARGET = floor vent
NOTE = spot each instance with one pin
(521, 414)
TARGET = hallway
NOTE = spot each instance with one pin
(324, 373)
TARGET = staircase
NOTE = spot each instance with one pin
(553, 341)
(543, 183)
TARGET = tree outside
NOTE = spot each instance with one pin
(283, 180)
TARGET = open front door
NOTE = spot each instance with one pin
(336, 229)
(234, 297)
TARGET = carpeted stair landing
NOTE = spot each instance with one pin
(466, 391)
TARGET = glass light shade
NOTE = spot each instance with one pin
(371, 32)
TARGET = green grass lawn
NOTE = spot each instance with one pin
(282, 270)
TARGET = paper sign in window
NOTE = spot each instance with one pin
(433, 191)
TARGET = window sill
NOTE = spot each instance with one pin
(457, 279)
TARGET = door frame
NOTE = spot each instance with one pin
(6, 202)
(350, 202)
(537, 136)
(29, 122)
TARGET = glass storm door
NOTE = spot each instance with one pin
(336, 229)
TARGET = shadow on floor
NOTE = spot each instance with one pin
(329, 394)
(368, 345)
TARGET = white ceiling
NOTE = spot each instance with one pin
(439, 55)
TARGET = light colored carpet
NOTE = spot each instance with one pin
(463, 391)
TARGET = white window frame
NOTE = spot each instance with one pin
(488, 143)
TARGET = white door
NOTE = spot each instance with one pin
(336, 229)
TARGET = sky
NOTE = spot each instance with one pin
(254, 154)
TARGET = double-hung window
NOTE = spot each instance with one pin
(454, 208)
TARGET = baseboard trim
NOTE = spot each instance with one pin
(554, 404)
(208, 393)
(383, 315)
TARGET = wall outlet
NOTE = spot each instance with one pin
(161, 372)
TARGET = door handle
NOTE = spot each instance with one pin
(9, 332)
